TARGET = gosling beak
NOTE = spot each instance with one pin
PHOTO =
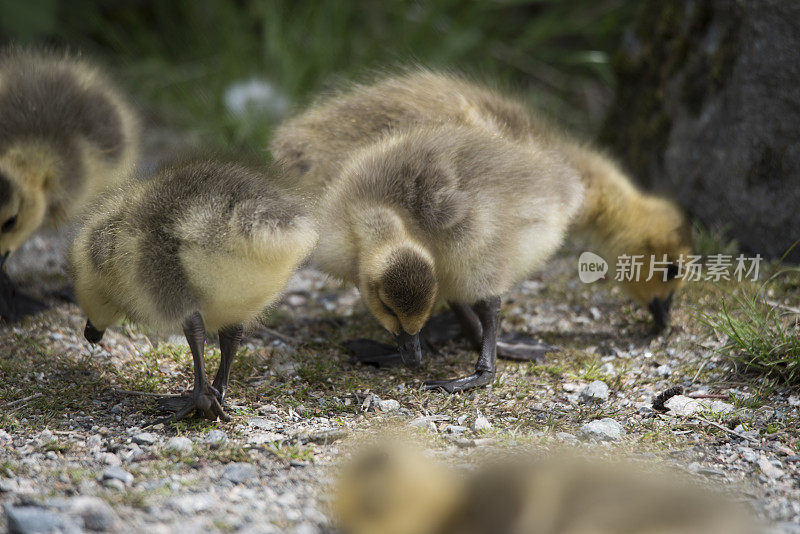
(92, 334)
(660, 310)
(409, 348)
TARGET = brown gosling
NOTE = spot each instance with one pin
(202, 245)
(619, 217)
(447, 213)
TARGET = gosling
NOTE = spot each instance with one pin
(65, 134)
(202, 245)
(620, 218)
(399, 491)
(452, 214)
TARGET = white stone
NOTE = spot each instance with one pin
(179, 444)
(481, 423)
(596, 392)
(605, 429)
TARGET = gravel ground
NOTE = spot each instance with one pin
(79, 450)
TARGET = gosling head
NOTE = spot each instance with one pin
(660, 231)
(22, 208)
(398, 285)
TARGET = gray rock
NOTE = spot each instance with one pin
(215, 438)
(481, 423)
(145, 438)
(179, 444)
(566, 437)
(424, 422)
(323, 436)
(115, 472)
(373, 403)
(388, 405)
(261, 438)
(240, 472)
(596, 392)
(262, 423)
(35, 520)
(682, 405)
(663, 371)
(94, 513)
(605, 429)
(109, 458)
(455, 429)
(769, 469)
(192, 504)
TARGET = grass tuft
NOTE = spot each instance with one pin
(763, 336)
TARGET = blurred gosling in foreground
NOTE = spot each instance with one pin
(400, 491)
(202, 245)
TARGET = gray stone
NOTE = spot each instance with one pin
(769, 469)
(115, 472)
(94, 513)
(35, 520)
(260, 438)
(663, 371)
(145, 438)
(455, 429)
(192, 504)
(566, 437)
(481, 423)
(682, 405)
(388, 405)
(215, 438)
(179, 444)
(605, 429)
(596, 392)
(424, 422)
(240, 472)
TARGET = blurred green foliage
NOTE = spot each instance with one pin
(180, 56)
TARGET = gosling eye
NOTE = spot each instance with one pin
(672, 271)
(9, 225)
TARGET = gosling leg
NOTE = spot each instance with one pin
(229, 340)
(203, 399)
(488, 312)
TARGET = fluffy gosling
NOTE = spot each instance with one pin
(619, 217)
(444, 214)
(202, 245)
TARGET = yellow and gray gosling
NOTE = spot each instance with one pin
(400, 491)
(202, 245)
(65, 133)
(450, 214)
(619, 217)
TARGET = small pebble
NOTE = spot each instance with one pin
(595, 392)
(605, 429)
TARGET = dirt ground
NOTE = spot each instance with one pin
(78, 449)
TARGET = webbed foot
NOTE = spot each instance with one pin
(14, 304)
(520, 347)
(475, 380)
(205, 404)
(373, 353)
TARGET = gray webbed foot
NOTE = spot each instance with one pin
(519, 347)
(14, 304)
(475, 380)
(205, 403)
